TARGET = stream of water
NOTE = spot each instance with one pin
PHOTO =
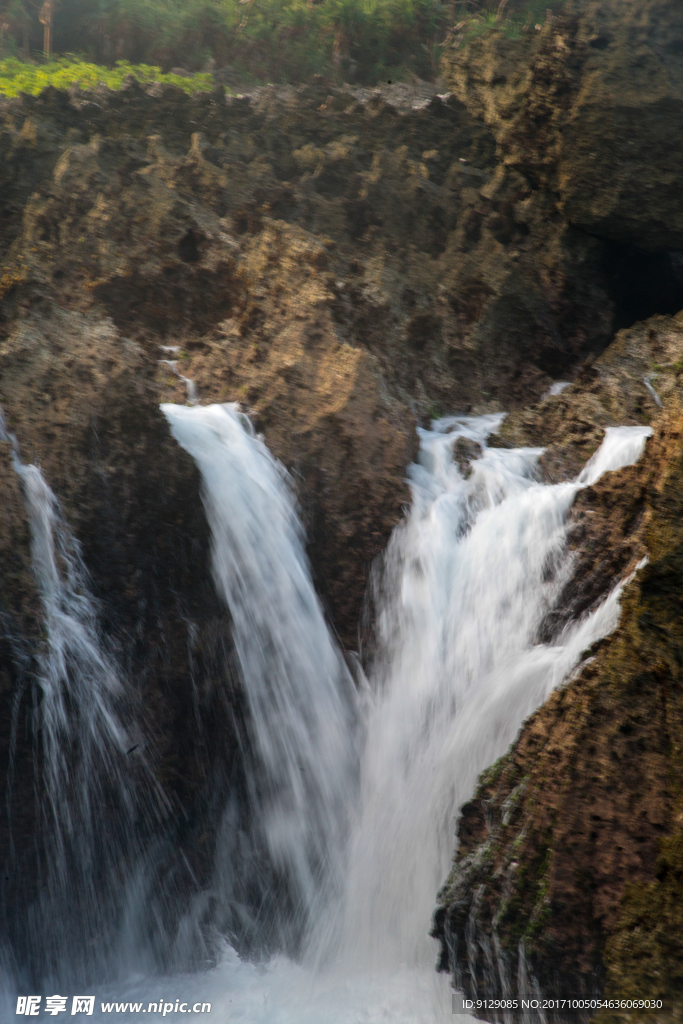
(302, 702)
(85, 782)
(357, 785)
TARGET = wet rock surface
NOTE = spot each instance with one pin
(572, 831)
(79, 399)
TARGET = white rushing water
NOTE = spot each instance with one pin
(82, 771)
(466, 582)
(300, 695)
(192, 396)
(356, 792)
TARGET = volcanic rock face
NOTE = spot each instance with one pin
(589, 112)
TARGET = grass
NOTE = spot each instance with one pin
(18, 76)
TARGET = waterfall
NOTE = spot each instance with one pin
(86, 805)
(462, 591)
(465, 584)
(299, 693)
(353, 794)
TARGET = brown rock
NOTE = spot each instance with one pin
(579, 810)
(589, 109)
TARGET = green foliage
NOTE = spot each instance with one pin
(257, 40)
(18, 76)
(511, 24)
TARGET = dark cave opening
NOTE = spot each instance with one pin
(188, 250)
(642, 284)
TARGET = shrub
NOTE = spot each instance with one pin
(19, 76)
(271, 40)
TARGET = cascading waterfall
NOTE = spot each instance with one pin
(352, 844)
(466, 583)
(87, 808)
(300, 695)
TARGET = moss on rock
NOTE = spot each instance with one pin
(581, 857)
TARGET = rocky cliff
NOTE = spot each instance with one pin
(344, 264)
(567, 878)
(334, 263)
(579, 818)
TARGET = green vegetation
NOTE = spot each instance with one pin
(19, 76)
(242, 40)
(365, 41)
(512, 21)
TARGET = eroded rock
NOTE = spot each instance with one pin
(585, 804)
(589, 109)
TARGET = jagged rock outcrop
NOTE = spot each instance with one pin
(587, 108)
(573, 838)
(585, 113)
(572, 832)
(332, 261)
(629, 384)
